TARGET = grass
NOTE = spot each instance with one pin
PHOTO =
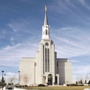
(58, 88)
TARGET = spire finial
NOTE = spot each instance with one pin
(45, 18)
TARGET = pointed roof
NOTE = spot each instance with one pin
(45, 17)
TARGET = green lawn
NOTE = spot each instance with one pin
(59, 88)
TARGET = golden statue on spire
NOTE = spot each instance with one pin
(45, 8)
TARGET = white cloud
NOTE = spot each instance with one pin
(11, 74)
(82, 1)
(23, 25)
(85, 4)
(80, 69)
(11, 55)
(12, 40)
(59, 6)
(72, 42)
(72, 11)
(74, 61)
(66, 28)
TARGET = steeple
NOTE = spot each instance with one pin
(45, 18)
(45, 27)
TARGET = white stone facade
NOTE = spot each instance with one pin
(45, 68)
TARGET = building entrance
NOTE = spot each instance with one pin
(50, 78)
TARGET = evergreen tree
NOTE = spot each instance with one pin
(2, 82)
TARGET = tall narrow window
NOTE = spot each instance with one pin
(48, 61)
(46, 32)
(43, 60)
(57, 64)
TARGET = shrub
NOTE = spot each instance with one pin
(74, 84)
(55, 83)
(25, 85)
(18, 86)
(41, 85)
(10, 83)
(71, 84)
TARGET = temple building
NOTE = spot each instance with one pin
(45, 67)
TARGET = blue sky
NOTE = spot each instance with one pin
(21, 30)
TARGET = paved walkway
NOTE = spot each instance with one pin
(87, 89)
(14, 88)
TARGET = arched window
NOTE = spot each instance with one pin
(50, 77)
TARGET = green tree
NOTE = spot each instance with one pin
(2, 82)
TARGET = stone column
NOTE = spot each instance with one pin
(42, 79)
(46, 79)
(57, 79)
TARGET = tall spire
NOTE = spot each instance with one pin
(45, 27)
(45, 18)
